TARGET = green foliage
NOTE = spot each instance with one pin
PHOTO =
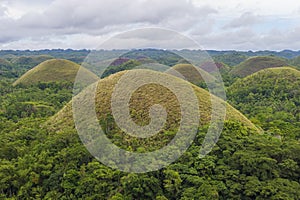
(47, 163)
(14, 67)
(56, 165)
(295, 62)
(6, 69)
(270, 98)
(40, 100)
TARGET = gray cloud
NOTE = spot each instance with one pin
(282, 39)
(2, 11)
(243, 38)
(77, 24)
(150, 38)
(95, 17)
(245, 20)
(247, 39)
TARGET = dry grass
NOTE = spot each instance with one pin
(194, 75)
(140, 102)
(257, 63)
(285, 72)
(53, 70)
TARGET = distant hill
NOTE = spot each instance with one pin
(289, 54)
(254, 64)
(21, 64)
(12, 66)
(295, 62)
(125, 64)
(160, 56)
(270, 98)
(139, 105)
(30, 61)
(212, 66)
(79, 55)
(230, 59)
(134, 58)
(119, 61)
(51, 71)
(191, 74)
(4, 63)
(6, 68)
(74, 55)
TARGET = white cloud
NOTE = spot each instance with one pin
(215, 24)
(267, 7)
(2, 11)
(247, 39)
(94, 17)
(245, 20)
(99, 14)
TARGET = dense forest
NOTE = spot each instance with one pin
(41, 161)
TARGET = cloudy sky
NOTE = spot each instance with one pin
(214, 24)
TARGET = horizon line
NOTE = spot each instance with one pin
(86, 49)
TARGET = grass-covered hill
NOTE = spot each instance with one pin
(254, 64)
(192, 74)
(213, 66)
(52, 162)
(270, 98)
(233, 170)
(140, 102)
(54, 70)
(42, 156)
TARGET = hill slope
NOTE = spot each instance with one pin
(254, 64)
(191, 74)
(53, 70)
(140, 102)
(271, 98)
